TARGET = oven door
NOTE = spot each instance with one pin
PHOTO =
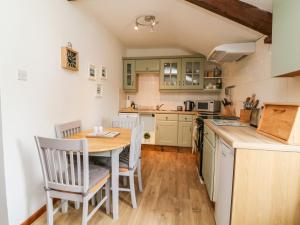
(202, 106)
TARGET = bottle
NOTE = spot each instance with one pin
(219, 84)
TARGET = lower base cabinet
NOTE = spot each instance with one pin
(166, 133)
(185, 134)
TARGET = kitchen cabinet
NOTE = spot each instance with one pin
(192, 73)
(129, 76)
(285, 38)
(147, 65)
(166, 133)
(185, 133)
(170, 74)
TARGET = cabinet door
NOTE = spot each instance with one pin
(185, 134)
(170, 74)
(192, 73)
(147, 65)
(129, 76)
(208, 166)
(166, 133)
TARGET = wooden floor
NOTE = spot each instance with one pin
(172, 195)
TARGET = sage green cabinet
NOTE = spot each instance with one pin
(166, 129)
(192, 73)
(185, 134)
(285, 38)
(147, 65)
(170, 74)
(129, 75)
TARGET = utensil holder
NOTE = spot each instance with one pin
(245, 115)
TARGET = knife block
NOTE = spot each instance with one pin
(245, 115)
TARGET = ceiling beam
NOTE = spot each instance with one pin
(240, 12)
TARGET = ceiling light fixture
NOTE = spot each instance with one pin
(147, 21)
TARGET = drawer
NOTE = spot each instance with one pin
(186, 118)
(278, 120)
(167, 117)
(210, 135)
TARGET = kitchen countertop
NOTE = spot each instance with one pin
(151, 111)
(248, 138)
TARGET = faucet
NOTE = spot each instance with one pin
(159, 106)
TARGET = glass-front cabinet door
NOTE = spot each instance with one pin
(170, 73)
(129, 75)
(192, 73)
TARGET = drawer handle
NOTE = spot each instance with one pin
(166, 118)
(185, 118)
(279, 110)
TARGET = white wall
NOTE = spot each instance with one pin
(253, 75)
(148, 94)
(32, 34)
(143, 52)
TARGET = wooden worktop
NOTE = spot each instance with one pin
(248, 138)
(150, 111)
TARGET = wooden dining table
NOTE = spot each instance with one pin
(108, 147)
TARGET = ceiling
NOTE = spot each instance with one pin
(181, 24)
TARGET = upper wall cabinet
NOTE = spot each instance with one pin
(192, 73)
(147, 65)
(285, 38)
(170, 74)
(129, 76)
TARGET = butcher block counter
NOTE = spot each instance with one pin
(248, 138)
(266, 177)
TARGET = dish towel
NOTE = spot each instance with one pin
(195, 139)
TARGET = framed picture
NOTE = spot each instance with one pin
(103, 73)
(69, 59)
(99, 91)
(92, 72)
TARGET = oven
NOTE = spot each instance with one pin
(208, 106)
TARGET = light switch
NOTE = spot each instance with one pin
(22, 75)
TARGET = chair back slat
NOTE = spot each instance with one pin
(64, 164)
(135, 145)
(67, 129)
(124, 122)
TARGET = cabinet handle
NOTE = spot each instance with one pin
(205, 133)
(166, 118)
(279, 110)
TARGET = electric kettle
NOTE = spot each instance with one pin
(189, 105)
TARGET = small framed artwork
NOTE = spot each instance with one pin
(69, 59)
(92, 72)
(99, 91)
(103, 73)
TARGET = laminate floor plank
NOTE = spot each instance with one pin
(173, 194)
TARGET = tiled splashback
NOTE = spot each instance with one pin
(148, 94)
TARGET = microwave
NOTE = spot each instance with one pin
(208, 106)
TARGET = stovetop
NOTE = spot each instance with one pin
(202, 117)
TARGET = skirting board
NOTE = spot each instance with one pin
(37, 214)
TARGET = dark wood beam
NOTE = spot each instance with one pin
(240, 12)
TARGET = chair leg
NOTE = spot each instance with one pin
(85, 211)
(132, 190)
(107, 194)
(77, 205)
(139, 171)
(49, 209)
(93, 200)
(64, 207)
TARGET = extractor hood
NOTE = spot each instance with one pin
(231, 52)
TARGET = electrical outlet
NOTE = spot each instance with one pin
(22, 75)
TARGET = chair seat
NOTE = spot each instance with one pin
(96, 174)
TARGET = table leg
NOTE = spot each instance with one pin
(115, 183)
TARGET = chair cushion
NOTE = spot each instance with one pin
(96, 173)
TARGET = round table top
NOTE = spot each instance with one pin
(103, 144)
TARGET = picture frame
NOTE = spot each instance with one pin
(103, 73)
(92, 71)
(99, 90)
(69, 59)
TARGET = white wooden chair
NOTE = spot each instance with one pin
(124, 122)
(130, 163)
(65, 130)
(67, 179)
